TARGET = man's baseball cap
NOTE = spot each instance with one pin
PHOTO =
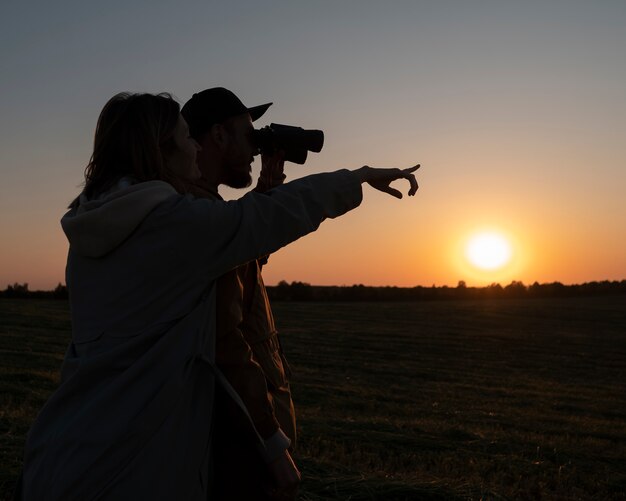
(213, 106)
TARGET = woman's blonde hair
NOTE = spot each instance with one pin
(133, 135)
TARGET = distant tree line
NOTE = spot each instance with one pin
(21, 291)
(301, 291)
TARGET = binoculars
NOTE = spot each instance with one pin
(296, 142)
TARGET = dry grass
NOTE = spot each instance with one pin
(440, 400)
(461, 400)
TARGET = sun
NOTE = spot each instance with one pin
(488, 251)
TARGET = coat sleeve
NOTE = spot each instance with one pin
(216, 236)
(235, 359)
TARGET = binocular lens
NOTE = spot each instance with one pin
(295, 141)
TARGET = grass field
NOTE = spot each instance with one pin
(504, 399)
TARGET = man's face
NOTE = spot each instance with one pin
(240, 152)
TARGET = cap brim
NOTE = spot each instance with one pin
(256, 112)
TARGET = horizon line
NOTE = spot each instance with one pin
(24, 285)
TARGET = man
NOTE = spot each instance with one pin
(248, 350)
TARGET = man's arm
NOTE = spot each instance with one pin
(236, 360)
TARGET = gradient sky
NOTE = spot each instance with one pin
(516, 111)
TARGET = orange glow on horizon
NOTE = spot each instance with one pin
(489, 254)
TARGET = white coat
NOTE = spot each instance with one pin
(131, 418)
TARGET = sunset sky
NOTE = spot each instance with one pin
(516, 111)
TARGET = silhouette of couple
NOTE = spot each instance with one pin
(174, 385)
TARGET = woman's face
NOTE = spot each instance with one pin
(182, 161)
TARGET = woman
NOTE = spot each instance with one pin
(132, 416)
